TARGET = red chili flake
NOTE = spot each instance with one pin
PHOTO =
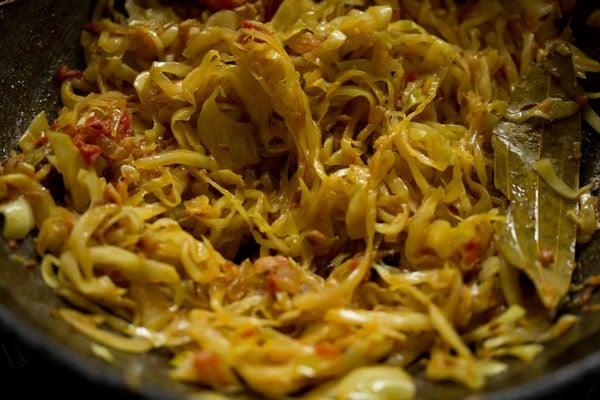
(64, 73)
(583, 100)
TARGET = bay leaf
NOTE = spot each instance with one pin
(543, 121)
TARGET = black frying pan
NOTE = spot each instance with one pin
(36, 38)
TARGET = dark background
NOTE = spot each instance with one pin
(25, 373)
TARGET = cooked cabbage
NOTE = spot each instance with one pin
(301, 205)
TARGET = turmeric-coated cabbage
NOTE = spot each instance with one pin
(298, 198)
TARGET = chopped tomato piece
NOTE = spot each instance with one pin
(103, 136)
(90, 152)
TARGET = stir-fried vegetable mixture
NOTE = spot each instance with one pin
(310, 199)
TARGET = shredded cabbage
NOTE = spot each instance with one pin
(300, 205)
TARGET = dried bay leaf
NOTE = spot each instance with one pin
(543, 122)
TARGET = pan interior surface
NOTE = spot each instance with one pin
(38, 37)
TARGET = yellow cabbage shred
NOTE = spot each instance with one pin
(299, 206)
